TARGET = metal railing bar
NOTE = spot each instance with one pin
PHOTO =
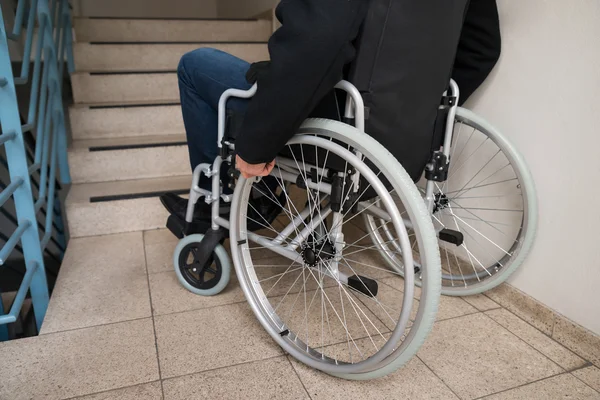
(24, 78)
(42, 111)
(37, 186)
(19, 249)
(12, 241)
(5, 239)
(53, 162)
(15, 309)
(30, 144)
(34, 94)
(16, 33)
(34, 164)
(45, 147)
(33, 168)
(14, 221)
(9, 190)
(5, 137)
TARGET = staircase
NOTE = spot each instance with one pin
(102, 325)
(128, 135)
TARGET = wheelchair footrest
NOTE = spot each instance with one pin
(451, 236)
(176, 226)
(180, 228)
(366, 286)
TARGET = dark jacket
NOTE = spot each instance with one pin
(308, 55)
(406, 52)
(479, 47)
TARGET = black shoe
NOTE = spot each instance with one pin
(177, 206)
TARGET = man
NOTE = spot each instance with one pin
(314, 49)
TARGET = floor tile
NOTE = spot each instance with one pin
(149, 391)
(95, 287)
(481, 302)
(551, 349)
(523, 306)
(590, 375)
(169, 296)
(262, 380)
(75, 363)
(560, 387)
(475, 356)
(333, 317)
(215, 337)
(578, 339)
(452, 307)
(414, 381)
(159, 245)
(449, 307)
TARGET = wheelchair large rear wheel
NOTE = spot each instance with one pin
(489, 198)
(313, 279)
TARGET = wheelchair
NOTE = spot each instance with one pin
(482, 200)
(333, 278)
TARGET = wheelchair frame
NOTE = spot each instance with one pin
(354, 110)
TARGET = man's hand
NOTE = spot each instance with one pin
(251, 170)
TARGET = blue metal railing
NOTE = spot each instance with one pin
(52, 21)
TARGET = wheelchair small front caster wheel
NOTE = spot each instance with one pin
(208, 279)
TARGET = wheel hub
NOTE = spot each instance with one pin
(316, 252)
(441, 202)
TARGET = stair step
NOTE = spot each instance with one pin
(97, 121)
(120, 88)
(123, 206)
(128, 158)
(151, 30)
(153, 57)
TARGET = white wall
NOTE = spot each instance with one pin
(545, 96)
(147, 8)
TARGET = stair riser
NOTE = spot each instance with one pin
(115, 30)
(130, 164)
(92, 219)
(118, 89)
(152, 57)
(98, 123)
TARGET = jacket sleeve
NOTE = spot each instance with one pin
(308, 54)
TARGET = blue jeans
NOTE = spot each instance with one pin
(204, 74)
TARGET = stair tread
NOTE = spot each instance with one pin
(170, 44)
(114, 57)
(82, 193)
(85, 144)
(136, 19)
(168, 30)
(124, 104)
(150, 87)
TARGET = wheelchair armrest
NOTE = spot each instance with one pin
(244, 94)
(233, 124)
(256, 70)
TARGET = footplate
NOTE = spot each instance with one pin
(180, 228)
(366, 286)
(451, 236)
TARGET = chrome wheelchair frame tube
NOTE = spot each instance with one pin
(430, 187)
(243, 94)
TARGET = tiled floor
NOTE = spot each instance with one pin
(123, 328)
